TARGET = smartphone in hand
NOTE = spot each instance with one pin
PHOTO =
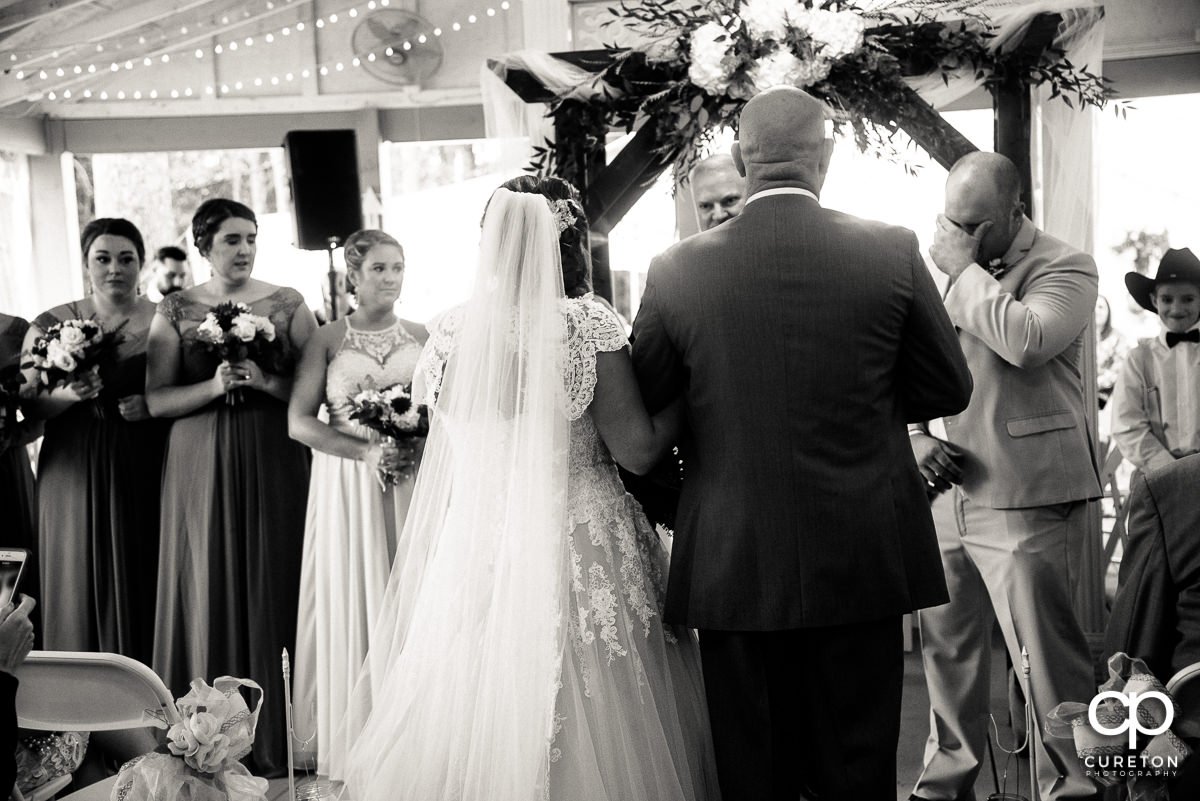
(12, 568)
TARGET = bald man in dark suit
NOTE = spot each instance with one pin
(802, 340)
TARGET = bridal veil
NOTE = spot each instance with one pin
(457, 696)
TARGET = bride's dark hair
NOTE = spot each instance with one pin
(573, 241)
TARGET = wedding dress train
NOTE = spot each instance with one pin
(525, 656)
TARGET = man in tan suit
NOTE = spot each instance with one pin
(1020, 464)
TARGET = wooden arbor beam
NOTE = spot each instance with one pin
(610, 190)
(1012, 109)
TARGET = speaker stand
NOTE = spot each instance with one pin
(332, 278)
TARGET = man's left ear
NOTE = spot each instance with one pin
(738, 163)
(823, 167)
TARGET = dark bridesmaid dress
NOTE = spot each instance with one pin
(233, 505)
(98, 484)
(18, 497)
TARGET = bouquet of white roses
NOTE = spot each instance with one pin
(216, 730)
(392, 413)
(71, 349)
(234, 333)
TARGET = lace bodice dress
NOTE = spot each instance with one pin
(367, 359)
(349, 541)
(185, 313)
(629, 718)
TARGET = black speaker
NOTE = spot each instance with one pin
(323, 172)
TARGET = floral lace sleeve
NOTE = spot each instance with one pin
(431, 365)
(284, 302)
(171, 307)
(591, 327)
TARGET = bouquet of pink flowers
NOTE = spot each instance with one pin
(235, 334)
(392, 413)
(203, 749)
(71, 349)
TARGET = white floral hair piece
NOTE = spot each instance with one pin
(564, 218)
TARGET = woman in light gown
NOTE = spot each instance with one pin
(520, 653)
(350, 528)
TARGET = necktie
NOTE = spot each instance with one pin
(1174, 339)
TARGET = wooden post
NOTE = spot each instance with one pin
(1011, 107)
(581, 160)
(1010, 131)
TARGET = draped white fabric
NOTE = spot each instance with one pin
(467, 710)
(1065, 203)
(1064, 190)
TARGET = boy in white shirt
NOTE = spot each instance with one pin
(1156, 401)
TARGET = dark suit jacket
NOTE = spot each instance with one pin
(8, 733)
(803, 340)
(1156, 614)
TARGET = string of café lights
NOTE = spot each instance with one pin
(227, 88)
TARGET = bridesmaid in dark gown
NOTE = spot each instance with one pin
(18, 496)
(99, 466)
(234, 483)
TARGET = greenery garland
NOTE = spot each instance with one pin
(706, 59)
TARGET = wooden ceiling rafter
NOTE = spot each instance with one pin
(9, 95)
(128, 22)
(97, 21)
(27, 12)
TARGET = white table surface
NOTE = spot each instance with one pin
(100, 791)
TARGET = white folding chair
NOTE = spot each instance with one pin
(1184, 686)
(76, 691)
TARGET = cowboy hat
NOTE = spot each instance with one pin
(1177, 266)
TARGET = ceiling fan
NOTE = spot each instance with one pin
(397, 46)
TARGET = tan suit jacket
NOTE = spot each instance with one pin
(1025, 433)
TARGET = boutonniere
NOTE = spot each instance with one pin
(996, 267)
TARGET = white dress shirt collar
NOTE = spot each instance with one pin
(783, 190)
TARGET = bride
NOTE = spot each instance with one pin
(522, 653)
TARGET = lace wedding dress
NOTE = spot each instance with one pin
(586, 696)
(349, 542)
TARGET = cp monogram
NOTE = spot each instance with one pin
(1131, 723)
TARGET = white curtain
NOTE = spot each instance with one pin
(18, 295)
